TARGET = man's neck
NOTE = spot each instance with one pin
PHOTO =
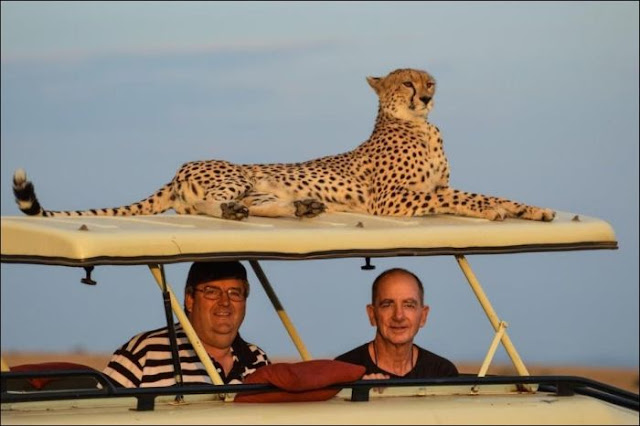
(218, 353)
(397, 359)
(221, 352)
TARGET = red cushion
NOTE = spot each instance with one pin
(41, 382)
(301, 381)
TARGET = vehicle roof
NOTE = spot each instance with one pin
(169, 238)
(457, 407)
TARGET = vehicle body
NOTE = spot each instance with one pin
(155, 241)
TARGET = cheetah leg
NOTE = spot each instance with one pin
(223, 203)
(405, 202)
(453, 201)
(464, 203)
(269, 205)
(523, 211)
(222, 209)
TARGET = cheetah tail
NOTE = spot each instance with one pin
(25, 195)
(28, 203)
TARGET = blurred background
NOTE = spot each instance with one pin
(101, 103)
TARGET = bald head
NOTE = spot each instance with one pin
(389, 274)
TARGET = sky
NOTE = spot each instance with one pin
(101, 102)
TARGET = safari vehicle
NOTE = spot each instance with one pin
(155, 241)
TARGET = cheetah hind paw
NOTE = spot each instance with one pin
(234, 211)
(309, 207)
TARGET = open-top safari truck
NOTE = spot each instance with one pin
(80, 395)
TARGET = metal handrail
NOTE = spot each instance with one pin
(560, 385)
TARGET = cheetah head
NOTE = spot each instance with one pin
(405, 93)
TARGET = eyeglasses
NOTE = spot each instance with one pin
(215, 293)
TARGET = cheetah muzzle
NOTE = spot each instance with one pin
(401, 170)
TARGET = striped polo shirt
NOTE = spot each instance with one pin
(146, 361)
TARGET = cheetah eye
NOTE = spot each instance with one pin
(408, 84)
(430, 85)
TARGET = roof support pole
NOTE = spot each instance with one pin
(491, 314)
(288, 325)
(158, 273)
(171, 329)
(492, 349)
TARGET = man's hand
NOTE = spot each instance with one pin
(375, 376)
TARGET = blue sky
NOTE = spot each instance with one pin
(101, 102)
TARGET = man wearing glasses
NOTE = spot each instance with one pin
(215, 301)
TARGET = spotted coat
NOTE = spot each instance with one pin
(401, 170)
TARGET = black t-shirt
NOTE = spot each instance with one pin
(428, 364)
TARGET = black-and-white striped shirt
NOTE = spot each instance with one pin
(146, 361)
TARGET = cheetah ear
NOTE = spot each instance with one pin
(374, 82)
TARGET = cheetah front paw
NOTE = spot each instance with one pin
(309, 207)
(496, 213)
(234, 211)
(547, 215)
(536, 213)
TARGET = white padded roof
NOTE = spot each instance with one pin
(169, 238)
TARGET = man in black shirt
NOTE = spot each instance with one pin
(397, 310)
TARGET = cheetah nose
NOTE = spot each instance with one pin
(425, 99)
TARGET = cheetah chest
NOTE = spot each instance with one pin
(416, 161)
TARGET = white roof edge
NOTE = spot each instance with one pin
(169, 238)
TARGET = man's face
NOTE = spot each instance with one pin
(398, 312)
(217, 321)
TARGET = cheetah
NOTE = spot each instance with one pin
(401, 170)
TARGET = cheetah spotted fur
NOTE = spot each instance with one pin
(401, 170)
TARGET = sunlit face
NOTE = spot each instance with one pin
(216, 321)
(398, 311)
(405, 93)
